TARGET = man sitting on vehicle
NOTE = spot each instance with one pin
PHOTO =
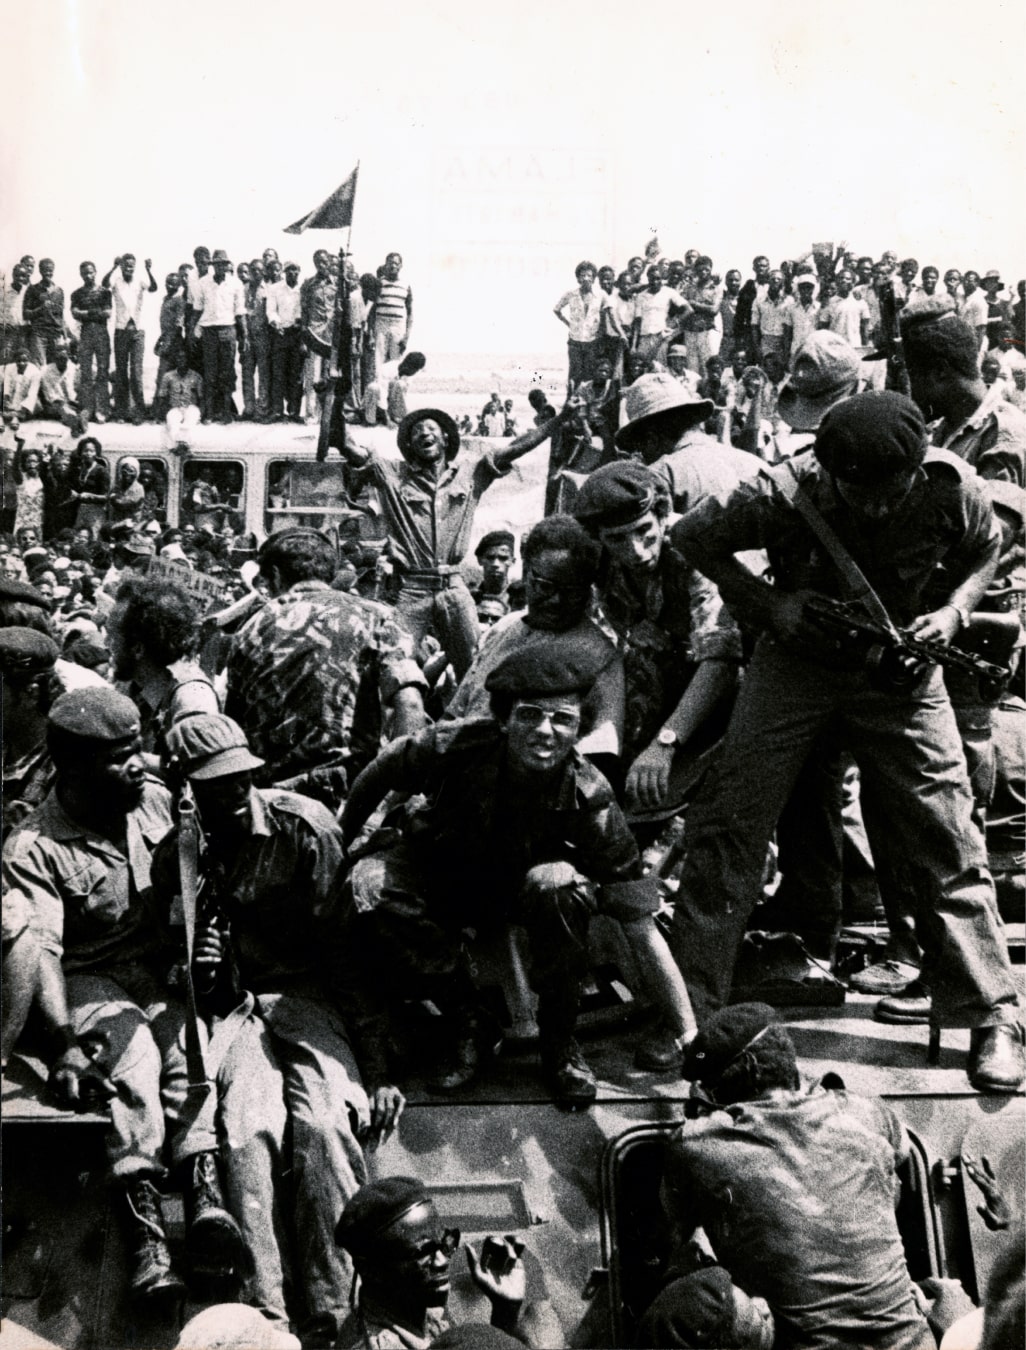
(795, 1190)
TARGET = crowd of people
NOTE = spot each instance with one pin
(783, 604)
(219, 327)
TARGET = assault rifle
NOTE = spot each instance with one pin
(898, 663)
(890, 348)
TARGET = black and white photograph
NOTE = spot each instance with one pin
(512, 612)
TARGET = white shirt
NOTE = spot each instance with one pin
(975, 309)
(283, 305)
(845, 316)
(128, 298)
(220, 304)
(803, 322)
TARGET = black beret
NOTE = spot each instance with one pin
(565, 663)
(495, 539)
(375, 1207)
(870, 437)
(722, 1039)
(616, 494)
(450, 430)
(23, 651)
(95, 714)
(22, 592)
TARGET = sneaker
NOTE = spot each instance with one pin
(883, 977)
(909, 1008)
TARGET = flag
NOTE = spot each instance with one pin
(334, 213)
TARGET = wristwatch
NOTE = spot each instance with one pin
(667, 736)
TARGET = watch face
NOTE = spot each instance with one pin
(667, 737)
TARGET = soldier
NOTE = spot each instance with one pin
(900, 513)
(516, 828)
(272, 864)
(77, 875)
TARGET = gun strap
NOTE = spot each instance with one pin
(855, 580)
(188, 872)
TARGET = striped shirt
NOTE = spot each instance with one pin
(393, 297)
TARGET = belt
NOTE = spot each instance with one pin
(440, 578)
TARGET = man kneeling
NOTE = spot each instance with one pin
(516, 828)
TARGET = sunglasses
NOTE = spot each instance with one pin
(427, 1251)
(530, 715)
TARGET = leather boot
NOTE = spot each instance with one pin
(214, 1242)
(152, 1275)
(472, 1051)
(568, 1075)
(996, 1061)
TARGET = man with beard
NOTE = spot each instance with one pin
(428, 501)
(77, 876)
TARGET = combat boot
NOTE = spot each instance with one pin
(475, 1046)
(152, 1275)
(568, 1075)
(216, 1248)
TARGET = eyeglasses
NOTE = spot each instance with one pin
(544, 587)
(427, 1251)
(531, 715)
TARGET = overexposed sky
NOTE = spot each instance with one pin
(500, 144)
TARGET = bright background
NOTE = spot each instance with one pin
(500, 144)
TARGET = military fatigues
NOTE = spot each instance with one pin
(429, 525)
(87, 902)
(668, 622)
(475, 854)
(301, 668)
(280, 895)
(906, 743)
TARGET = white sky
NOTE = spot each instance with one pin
(501, 143)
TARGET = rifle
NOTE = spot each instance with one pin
(189, 884)
(898, 662)
(890, 348)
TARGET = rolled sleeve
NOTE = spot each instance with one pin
(30, 897)
(397, 668)
(714, 634)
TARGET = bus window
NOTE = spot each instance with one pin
(153, 479)
(213, 495)
(304, 492)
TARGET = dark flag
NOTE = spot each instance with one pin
(334, 213)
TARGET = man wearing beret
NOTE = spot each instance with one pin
(402, 1255)
(911, 520)
(681, 647)
(795, 1190)
(312, 673)
(515, 828)
(272, 865)
(78, 872)
(428, 501)
(495, 554)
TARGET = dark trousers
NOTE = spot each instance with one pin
(129, 349)
(218, 369)
(286, 372)
(93, 370)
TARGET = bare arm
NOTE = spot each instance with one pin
(527, 441)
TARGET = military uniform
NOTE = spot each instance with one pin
(297, 668)
(905, 742)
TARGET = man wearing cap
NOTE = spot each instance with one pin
(826, 369)
(313, 673)
(428, 503)
(680, 645)
(78, 868)
(129, 292)
(27, 661)
(272, 865)
(804, 312)
(516, 827)
(795, 1190)
(402, 1254)
(220, 304)
(901, 513)
(771, 321)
